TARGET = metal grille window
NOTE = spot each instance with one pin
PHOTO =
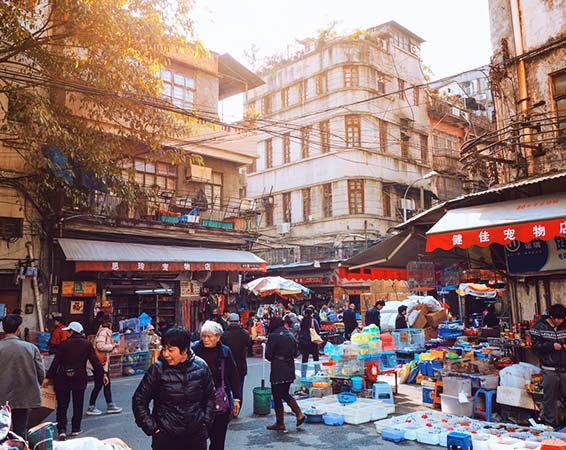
(327, 200)
(306, 204)
(356, 196)
(178, 88)
(305, 138)
(268, 153)
(286, 148)
(353, 131)
(286, 205)
(324, 129)
(351, 76)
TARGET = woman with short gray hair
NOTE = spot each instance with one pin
(221, 363)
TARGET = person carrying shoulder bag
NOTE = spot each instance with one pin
(103, 347)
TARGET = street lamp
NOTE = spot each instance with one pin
(426, 176)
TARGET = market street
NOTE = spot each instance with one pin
(248, 431)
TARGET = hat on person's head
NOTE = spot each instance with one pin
(233, 317)
(150, 327)
(57, 316)
(74, 326)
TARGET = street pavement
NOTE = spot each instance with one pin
(247, 431)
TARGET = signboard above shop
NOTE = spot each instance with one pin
(536, 256)
(78, 289)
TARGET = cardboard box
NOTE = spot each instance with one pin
(418, 318)
(436, 318)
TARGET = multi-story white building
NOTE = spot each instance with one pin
(345, 133)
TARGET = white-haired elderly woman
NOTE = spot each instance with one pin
(219, 359)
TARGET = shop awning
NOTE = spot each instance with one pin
(542, 217)
(391, 252)
(104, 256)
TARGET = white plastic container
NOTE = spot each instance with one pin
(451, 405)
(506, 444)
(455, 385)
(427, 436)
(481, 441)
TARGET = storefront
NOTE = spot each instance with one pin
(172, 284)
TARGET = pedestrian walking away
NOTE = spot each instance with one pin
(350, 321)
(103, 346)
(306, 346)
(238, 340)
(548, 337)
(181, 388)
(281, 350)
(221, 363)
(58, 335)
(68, 373)
(22, 374)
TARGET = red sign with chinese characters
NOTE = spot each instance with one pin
(372, 273)
(503, 234)
(131, 266)
(307, 280)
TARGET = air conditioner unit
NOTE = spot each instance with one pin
(455, 111)
(407, 203)
(481, 97)
(283, 228)
(309, 218)
(414, 49)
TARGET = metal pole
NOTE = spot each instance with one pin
(35, 285)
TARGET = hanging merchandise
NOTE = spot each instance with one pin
(477, 290)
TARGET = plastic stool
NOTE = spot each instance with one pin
(382, 391)
(458, 441)
(488, 403)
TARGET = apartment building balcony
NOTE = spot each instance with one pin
(308, 254)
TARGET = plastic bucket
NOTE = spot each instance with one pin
(357, 383)
(262, 401)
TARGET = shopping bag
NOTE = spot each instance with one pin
(315, 338)
(48, 397)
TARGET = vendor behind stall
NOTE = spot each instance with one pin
(548, 338)
(401, 320)
(490, 319)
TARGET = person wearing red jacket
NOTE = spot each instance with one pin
(57, 334)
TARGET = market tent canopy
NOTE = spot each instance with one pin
(542, 217)
(104, 256)
(276, 285)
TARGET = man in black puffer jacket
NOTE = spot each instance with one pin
(182, 391)
(548, 337)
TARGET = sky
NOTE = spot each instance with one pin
(456, 32)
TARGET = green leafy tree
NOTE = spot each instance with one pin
(80, 87)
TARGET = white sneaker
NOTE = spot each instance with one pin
(93, 411)
(113, 409)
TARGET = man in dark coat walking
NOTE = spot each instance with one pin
(548, 337)
(68, 372)
(239, 341)
(373, 315)
(350, 321)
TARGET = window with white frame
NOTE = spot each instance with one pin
(179, 88)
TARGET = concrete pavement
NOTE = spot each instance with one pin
(247, 431)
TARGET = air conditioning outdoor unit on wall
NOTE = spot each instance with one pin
(407, 203)
(283, 228)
